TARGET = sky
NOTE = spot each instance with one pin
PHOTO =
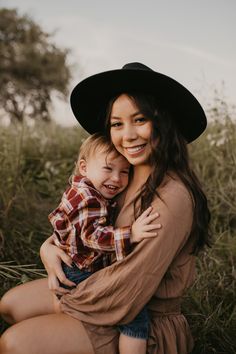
(191, 41)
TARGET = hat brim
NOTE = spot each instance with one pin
(90, 97)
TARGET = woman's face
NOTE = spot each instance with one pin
(130, 131)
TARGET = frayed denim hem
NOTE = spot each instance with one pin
(141, 333)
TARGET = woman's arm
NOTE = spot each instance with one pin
(52, 257)
(117, 293)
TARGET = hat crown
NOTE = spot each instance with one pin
(136, 66)
(89, 102)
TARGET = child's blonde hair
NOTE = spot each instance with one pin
(91, 145)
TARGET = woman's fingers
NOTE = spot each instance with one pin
(56, 274)
(52, 257)
(53, 285)
(65, 258)
(61, 291)
(61, 276)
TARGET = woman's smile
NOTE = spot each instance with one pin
(135, 149)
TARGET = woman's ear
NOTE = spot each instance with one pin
(82, 167)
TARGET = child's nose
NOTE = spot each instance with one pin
(116, 177)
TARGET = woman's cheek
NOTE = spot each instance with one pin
(114, 140)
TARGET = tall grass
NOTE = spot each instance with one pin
(35, 165)
(211, 304)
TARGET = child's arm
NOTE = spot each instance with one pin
(96, 234)
(81, 215)
(143, 228)
(84, 215)
(63, 220)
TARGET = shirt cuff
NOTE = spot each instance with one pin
(122, 242)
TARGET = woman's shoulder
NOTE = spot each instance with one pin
(174, 192)
(172, 181)
(175, 207)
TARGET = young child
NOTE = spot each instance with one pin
(83, 224)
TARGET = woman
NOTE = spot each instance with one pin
(149, 118)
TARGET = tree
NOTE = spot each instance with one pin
(31, 68)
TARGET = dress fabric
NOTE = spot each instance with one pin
(157, 272)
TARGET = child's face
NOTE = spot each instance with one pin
(109, 173)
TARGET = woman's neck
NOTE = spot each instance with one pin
(141, 174)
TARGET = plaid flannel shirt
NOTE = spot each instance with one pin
(82, 227)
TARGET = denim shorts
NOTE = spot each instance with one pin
(74, 274)
(138, 328)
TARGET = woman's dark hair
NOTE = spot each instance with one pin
(169, 152)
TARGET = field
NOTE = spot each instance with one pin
(35, 165)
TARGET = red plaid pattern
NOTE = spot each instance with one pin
(82, 227)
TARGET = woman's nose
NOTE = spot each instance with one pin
(129, 133)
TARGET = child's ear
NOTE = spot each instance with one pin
(82, 167)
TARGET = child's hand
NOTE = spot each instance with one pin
(143, 227)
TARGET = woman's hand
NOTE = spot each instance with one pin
(143, 228)
(52, 257)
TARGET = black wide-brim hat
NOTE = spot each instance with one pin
(89, 99)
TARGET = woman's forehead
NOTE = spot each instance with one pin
(124, 105)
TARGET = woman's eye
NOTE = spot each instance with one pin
(115, 124)
(107, 168)
(140, 119)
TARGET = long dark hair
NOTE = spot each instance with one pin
(169, 152)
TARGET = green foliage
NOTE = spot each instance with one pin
(36, 163)
(31, 68)
(210, 304)
(35, 166)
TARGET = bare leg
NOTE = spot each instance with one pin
(26, 301)
(38, 329)
(131, 345)
(48, 334)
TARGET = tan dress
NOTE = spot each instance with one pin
(157, 272)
